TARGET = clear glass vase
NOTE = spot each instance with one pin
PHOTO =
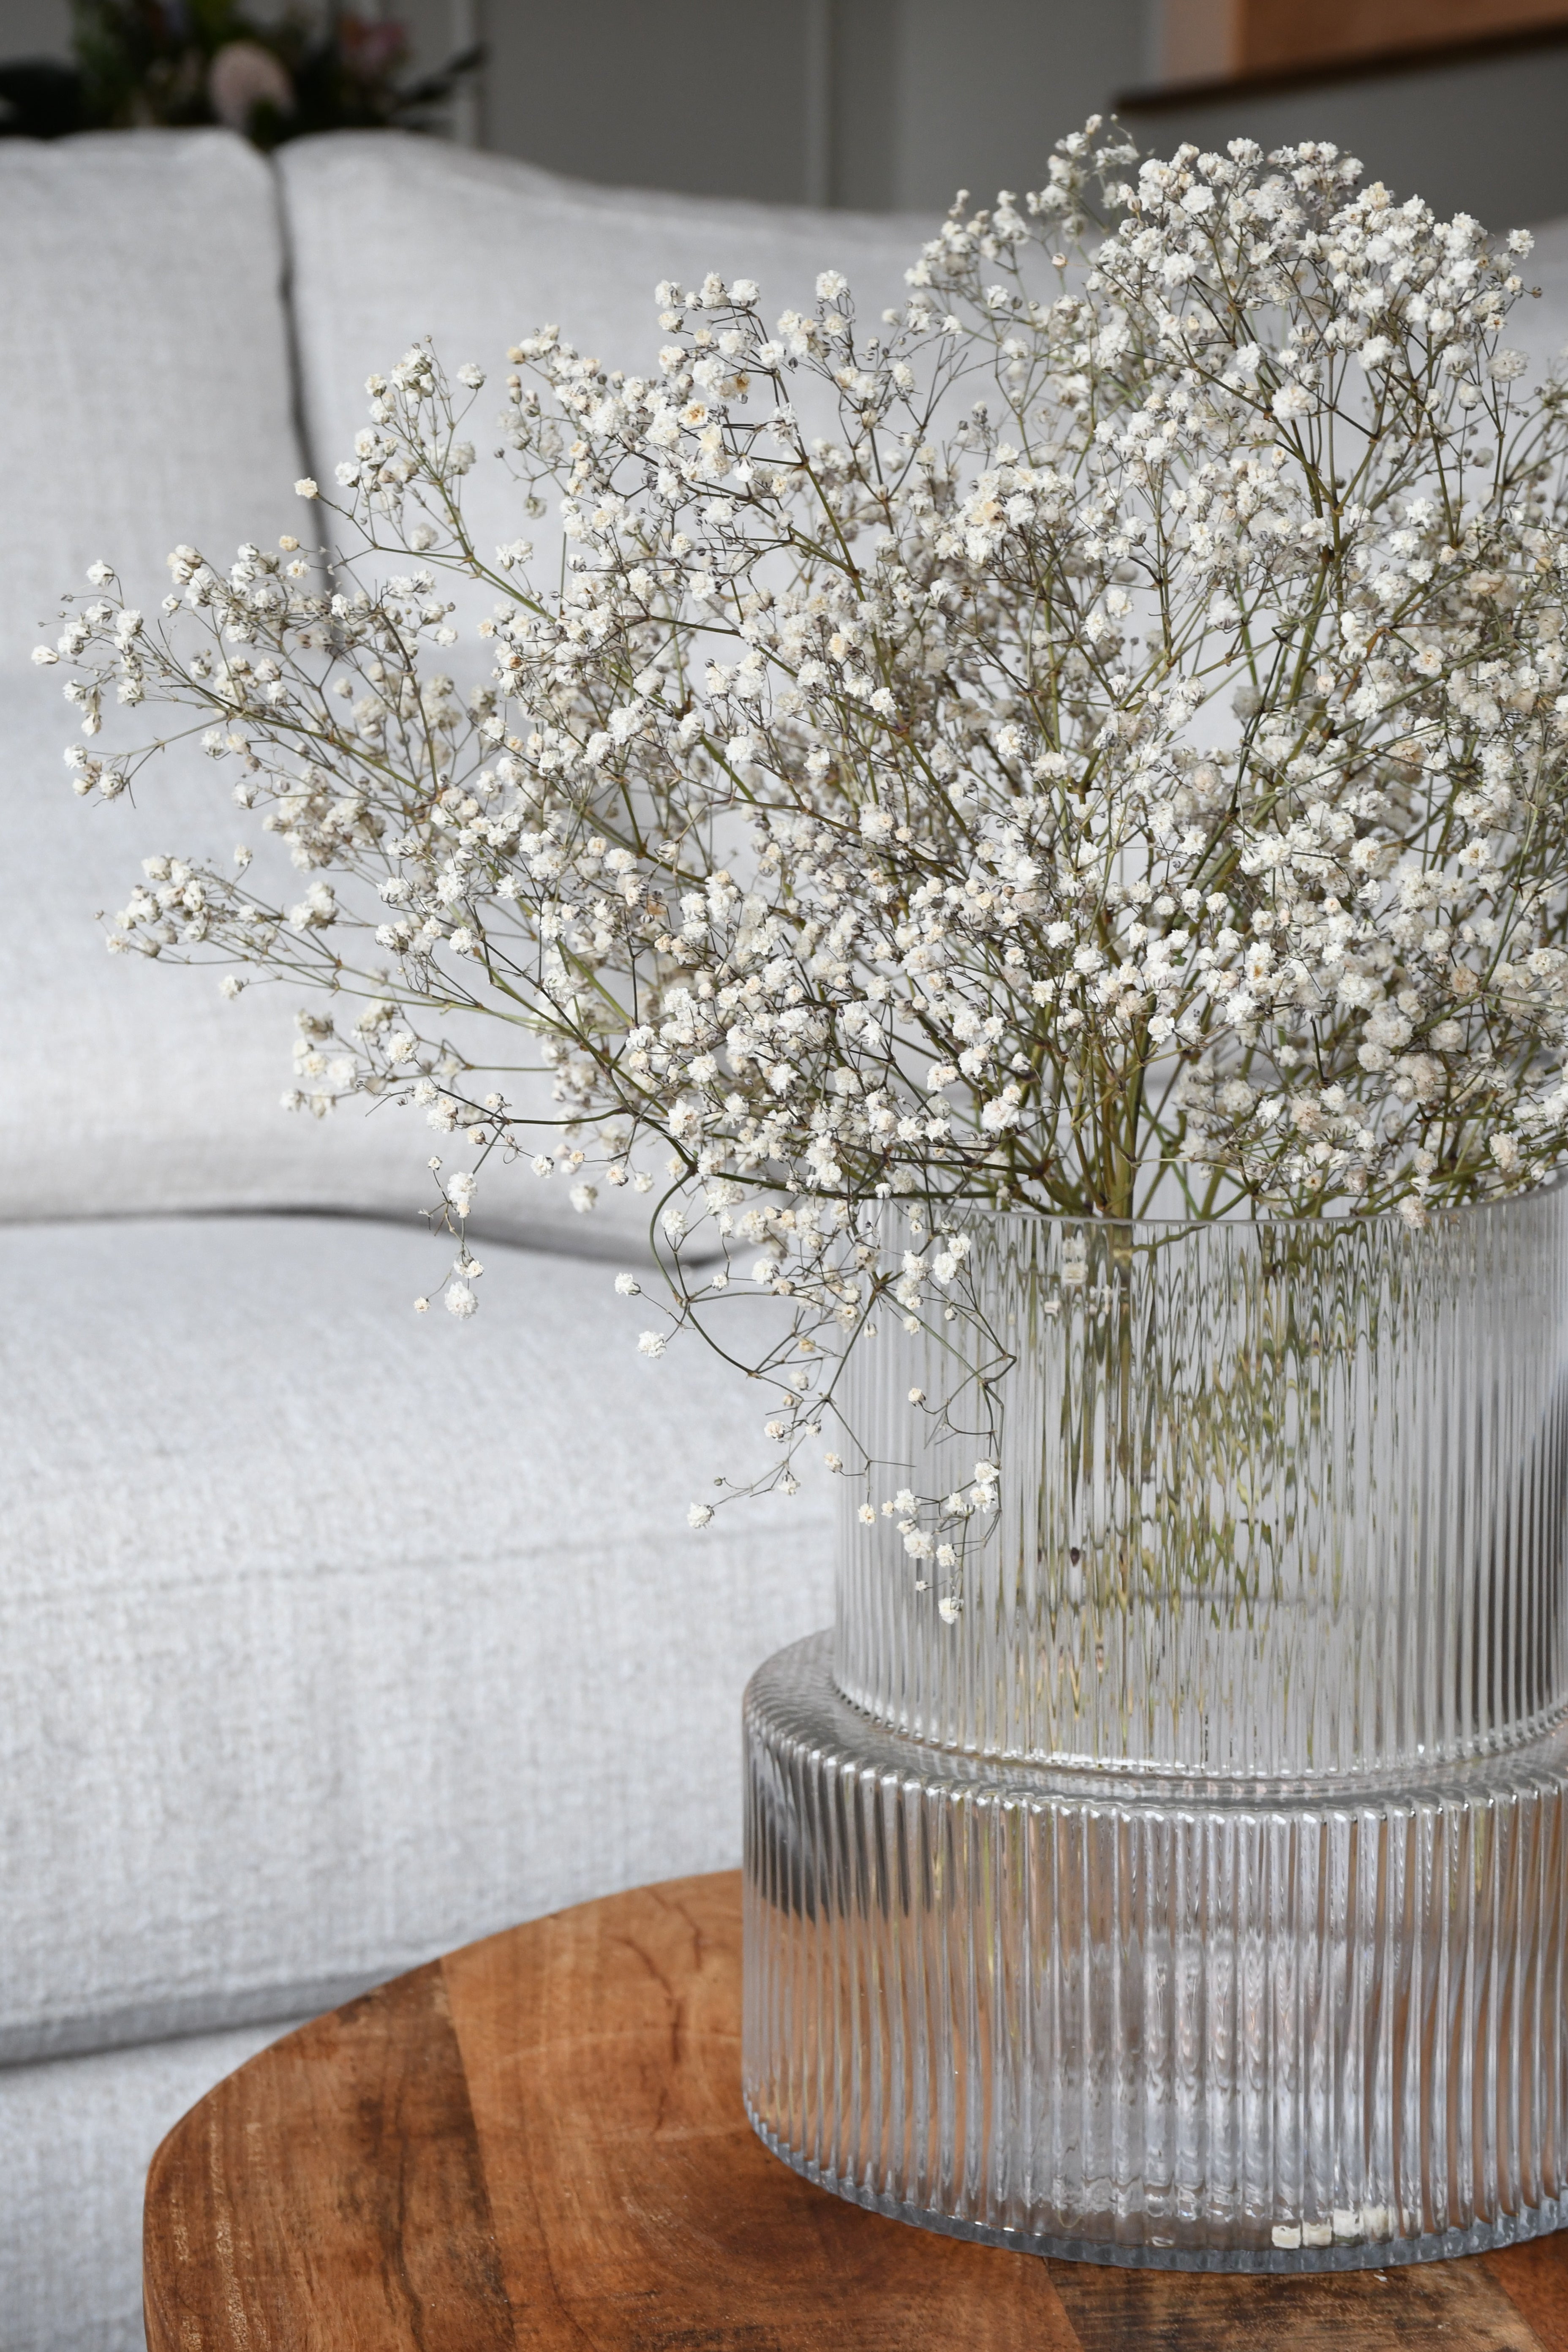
(1198, 1894)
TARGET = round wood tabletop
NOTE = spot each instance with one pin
(538, 2143)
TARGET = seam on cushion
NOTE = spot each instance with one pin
(286, 275)
(613, 1251)
(20, 2068)
(144, 2022)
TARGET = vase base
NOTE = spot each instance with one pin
(1152, 2254)
(1256, 2027)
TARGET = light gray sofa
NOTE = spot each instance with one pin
(330, 1636)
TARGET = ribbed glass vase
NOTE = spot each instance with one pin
(1199, 1895)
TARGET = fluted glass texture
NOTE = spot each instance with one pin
(1199, 1895)
(1272, 1498)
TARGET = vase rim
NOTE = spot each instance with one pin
(1440, 1218)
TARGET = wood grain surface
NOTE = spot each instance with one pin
(1273, 32)
(1217, 40)
(539, 2144)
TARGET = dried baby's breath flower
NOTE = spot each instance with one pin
(1118, 767)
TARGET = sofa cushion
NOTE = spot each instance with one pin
(332, 1635)
(395, 238)
(392, 238)
(76, 2136)
(1540, 328)
(146, 400)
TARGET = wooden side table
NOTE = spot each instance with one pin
(539, 2144)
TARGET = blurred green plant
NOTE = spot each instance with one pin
(182, 62)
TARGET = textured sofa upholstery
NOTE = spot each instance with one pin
(330, 1636)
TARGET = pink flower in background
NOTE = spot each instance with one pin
(243, 76)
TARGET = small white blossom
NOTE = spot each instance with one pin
(823, 881)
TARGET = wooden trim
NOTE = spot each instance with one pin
(1200, 39)
(1273, 34)
(1371, 65)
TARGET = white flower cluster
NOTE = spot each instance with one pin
(1120, 767)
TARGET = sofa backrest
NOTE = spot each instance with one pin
(395, 237)
(148, 399)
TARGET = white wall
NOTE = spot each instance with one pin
(35, 28)
(885, 104)
(891, 104)
(713, 96)
(894, 103)
(1485, 137)
(876, 103)
(985, 86)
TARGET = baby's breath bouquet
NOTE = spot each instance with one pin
(1087, 740)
